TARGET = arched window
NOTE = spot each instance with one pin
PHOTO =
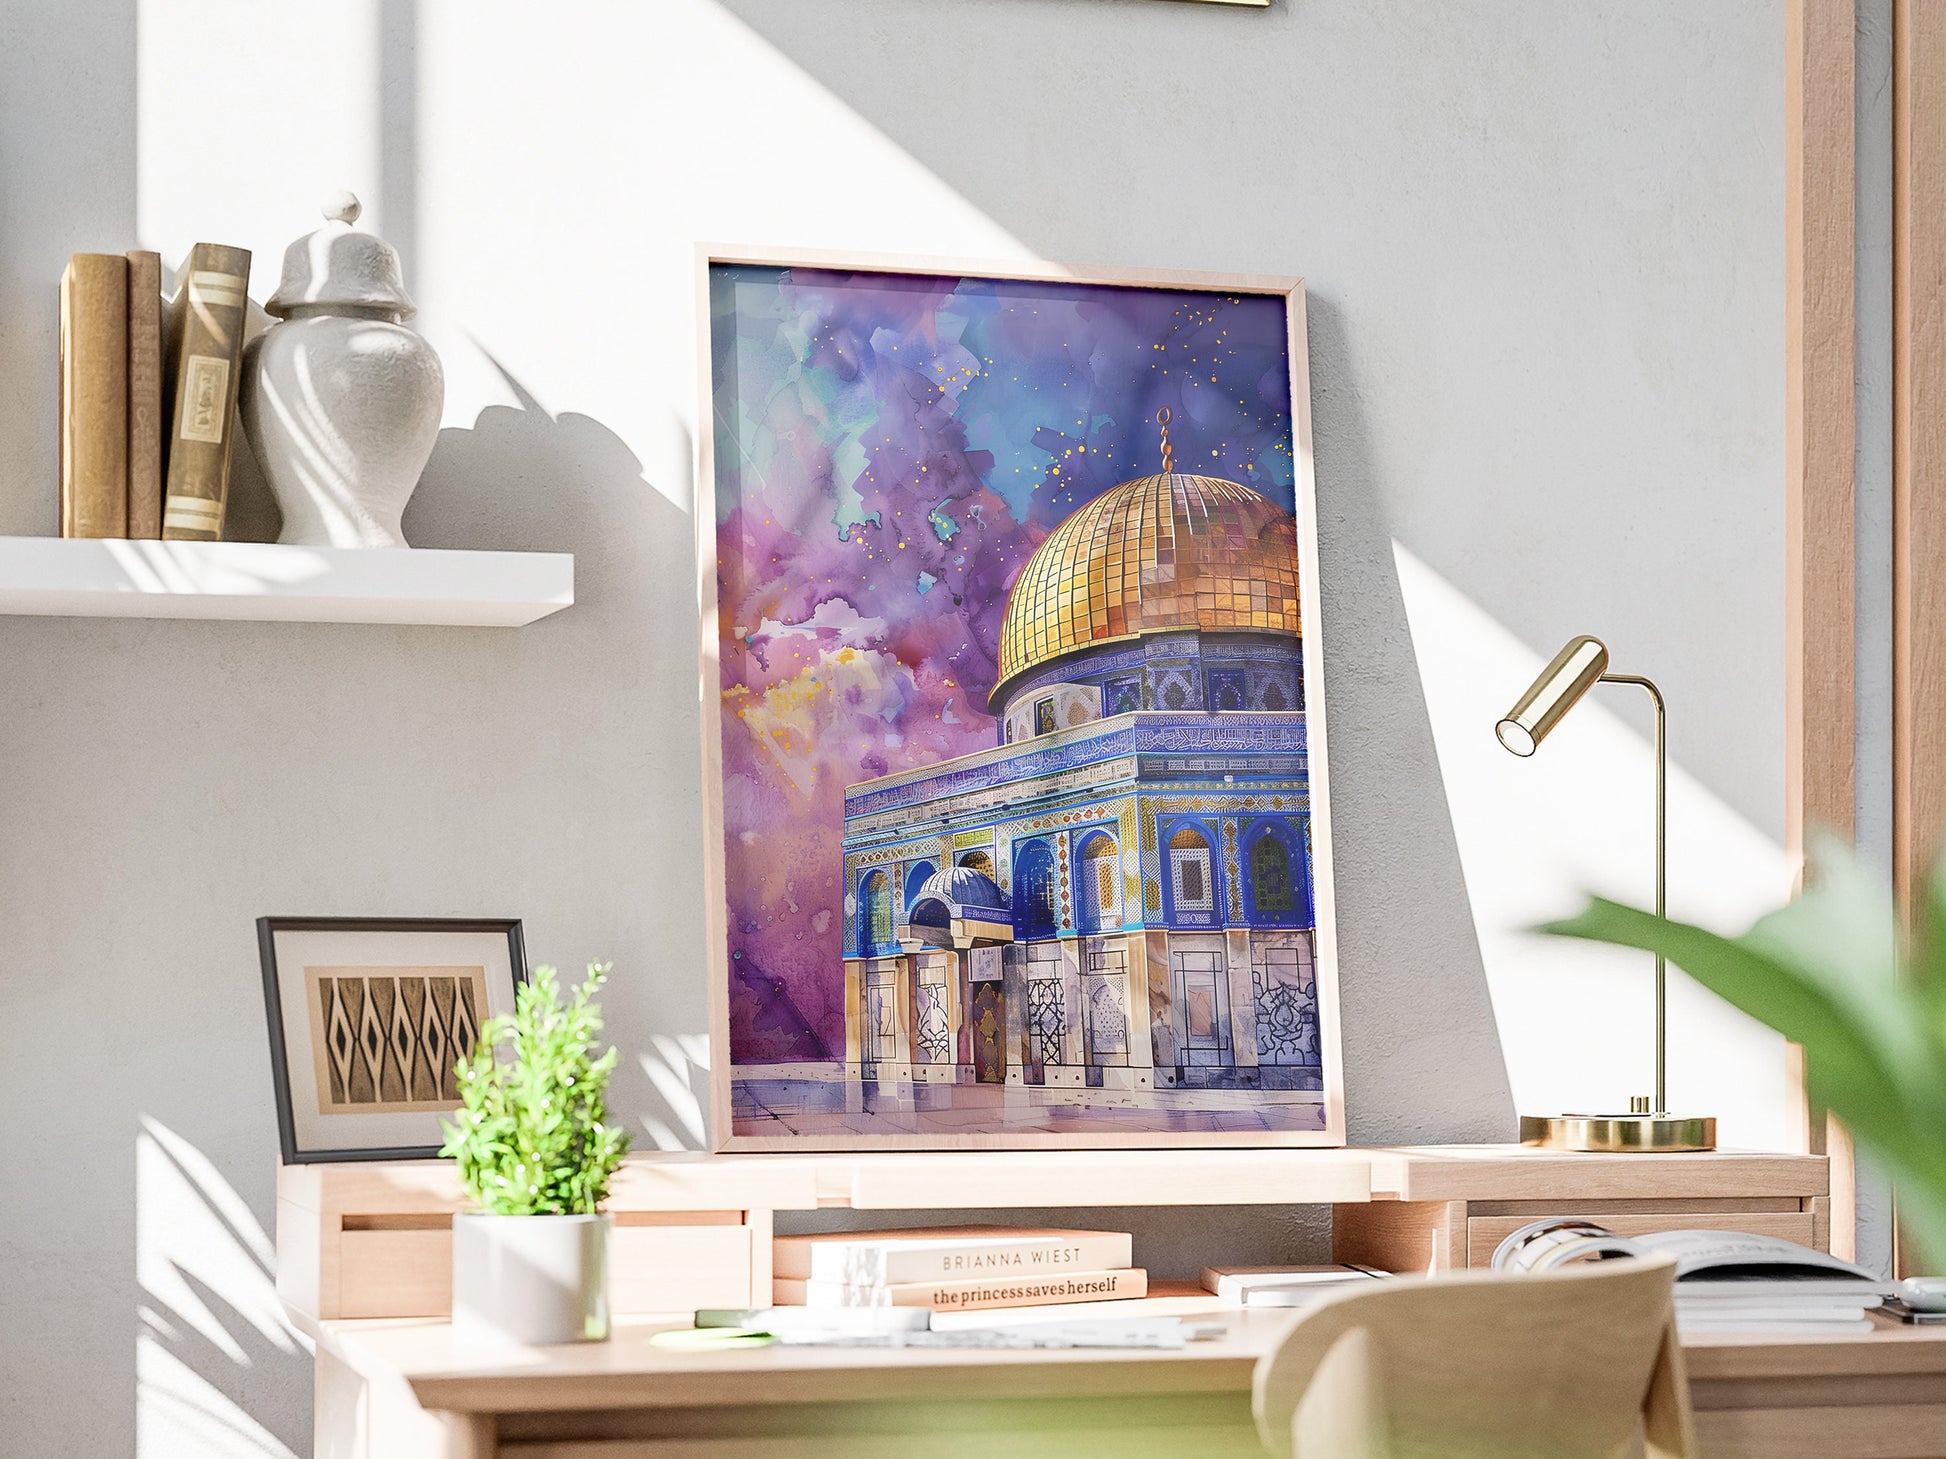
(1193, 888)
(915, 879)
(1270, 878)
(1224, 690)
(1276, 872)
(977, 861)
(1101, 884)
(1037, 892)
(875, 933)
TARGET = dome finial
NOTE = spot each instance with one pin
(341, 207)
(1162, 418)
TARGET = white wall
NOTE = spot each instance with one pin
(1544, 252)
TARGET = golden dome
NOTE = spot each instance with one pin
(1160, 552)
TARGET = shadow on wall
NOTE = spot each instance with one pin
(545, 768)
(569, 484)
(1422, 1051)
(559, 776)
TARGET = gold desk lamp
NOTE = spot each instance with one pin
(1575, 670)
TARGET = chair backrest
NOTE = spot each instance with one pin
(1573, 1364)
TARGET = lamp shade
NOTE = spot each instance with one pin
(1572, 673)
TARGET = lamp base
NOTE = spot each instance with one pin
(1619, 1134)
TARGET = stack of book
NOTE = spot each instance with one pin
(148, 396)
(1777, 1304)
(954, 1268)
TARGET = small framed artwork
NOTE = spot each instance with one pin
(369, 1018)
(1014, 720)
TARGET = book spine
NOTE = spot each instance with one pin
(1111, 1286)
(206, 328)
(881, 1263)
(144, 394)
(94, 396)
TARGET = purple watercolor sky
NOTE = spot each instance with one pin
(890, 449)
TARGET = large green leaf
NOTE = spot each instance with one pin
(1847, 1071)
(1928, 961)
(1825, 972)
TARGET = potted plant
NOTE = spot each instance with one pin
(1832, 971)
(530, 1265)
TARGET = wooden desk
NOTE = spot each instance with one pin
(399, 1389)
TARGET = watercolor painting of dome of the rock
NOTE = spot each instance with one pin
(1018, 830)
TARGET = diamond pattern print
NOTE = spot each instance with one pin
(388, 1039)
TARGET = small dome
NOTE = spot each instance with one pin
(338, 267)
(1161, 552)
(961, 889)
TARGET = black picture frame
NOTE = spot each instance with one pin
(267, 930)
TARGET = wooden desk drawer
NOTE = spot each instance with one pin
(651, 1268)
(1484, 1233)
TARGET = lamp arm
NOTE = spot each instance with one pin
(1661, 876)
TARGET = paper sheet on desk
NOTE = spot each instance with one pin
(1151, 1332)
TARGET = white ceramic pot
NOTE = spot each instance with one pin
(530, 1280)
(340, 401)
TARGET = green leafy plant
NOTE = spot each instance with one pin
(1831, 971)
(529, 1133)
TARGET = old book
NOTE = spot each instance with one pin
(94, 396)
(206, 321)
(945, 1253)
(968, 1296)
(144, 394)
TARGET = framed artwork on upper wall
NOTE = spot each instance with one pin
(369, 1016)
(1013, 709)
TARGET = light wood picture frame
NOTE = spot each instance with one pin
(1016, 816)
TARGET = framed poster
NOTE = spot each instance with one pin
(1013, 709)
(369, 1017)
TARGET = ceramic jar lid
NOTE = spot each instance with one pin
(339, 266)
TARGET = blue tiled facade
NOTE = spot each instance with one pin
(1155, 866)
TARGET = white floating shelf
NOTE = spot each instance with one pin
(264, 582)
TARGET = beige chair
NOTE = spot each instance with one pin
(1577, 1364)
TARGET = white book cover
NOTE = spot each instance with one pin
(1769, 1296)
(1280, 1286)
(1686, 1323)
(1775, 1312)
(889, 1258)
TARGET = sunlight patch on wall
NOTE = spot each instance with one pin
(563, 162)
(246, 159)
(678, 1067)
(1577, 1021)
(567, 251)
(210, 1332)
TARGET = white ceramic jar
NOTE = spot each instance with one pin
(340, 401)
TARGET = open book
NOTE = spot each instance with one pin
(1714, 1264)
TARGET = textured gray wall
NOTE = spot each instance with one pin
(1544, 251)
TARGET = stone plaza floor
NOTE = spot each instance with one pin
(801, 1106)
